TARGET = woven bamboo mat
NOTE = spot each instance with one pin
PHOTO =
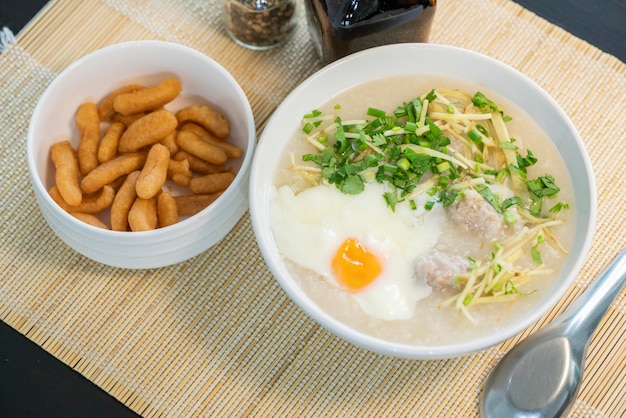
(216, 336)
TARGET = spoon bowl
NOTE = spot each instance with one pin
(540, 377)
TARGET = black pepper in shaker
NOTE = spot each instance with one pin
(260, 24)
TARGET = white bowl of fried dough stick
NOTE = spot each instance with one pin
(139, 154)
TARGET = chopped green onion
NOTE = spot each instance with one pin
(376, 112)
(417, 107)
(508, 145)
(442, 167)
(314, 113)
(404, 163)
(482, 130)
(509, 217)
(501, 174)
(475, 136)
(400, 112)
(410, 127)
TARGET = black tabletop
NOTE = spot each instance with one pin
(33, 383)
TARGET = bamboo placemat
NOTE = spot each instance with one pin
(216, 336)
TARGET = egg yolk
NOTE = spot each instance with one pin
(353, 266)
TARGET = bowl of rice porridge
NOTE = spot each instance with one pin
(427, 209)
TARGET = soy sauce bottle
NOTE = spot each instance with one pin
(341, 27)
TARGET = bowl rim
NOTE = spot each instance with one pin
(269, 252)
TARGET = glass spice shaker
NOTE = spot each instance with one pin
(341, 27)
(260, 24)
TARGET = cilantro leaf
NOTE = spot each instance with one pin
(353, 184)
(488, 195)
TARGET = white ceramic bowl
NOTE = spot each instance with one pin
(418, 59)
(99, 73)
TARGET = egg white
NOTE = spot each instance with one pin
(309, 228)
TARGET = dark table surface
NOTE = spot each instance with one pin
(33, 383)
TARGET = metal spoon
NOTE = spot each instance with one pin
(540, 376)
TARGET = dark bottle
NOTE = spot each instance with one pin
(341, 27)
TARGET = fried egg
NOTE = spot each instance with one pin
(357, 243)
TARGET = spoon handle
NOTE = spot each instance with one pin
(584, 315)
